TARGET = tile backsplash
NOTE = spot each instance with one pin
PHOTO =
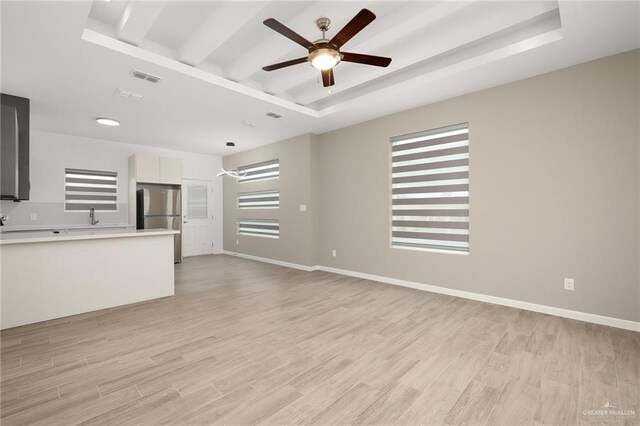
(53, 214)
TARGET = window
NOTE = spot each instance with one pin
(430, 189)
(86, 189)
(269, 228)
(197, 201)
(261, 171)
(269, 199)
(259, 200)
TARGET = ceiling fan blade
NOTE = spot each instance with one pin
(327, 78)
(284, 64)
(289, 33)
(359, 58)
(357, 23)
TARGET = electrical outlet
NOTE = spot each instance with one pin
(33, 216)
(333, 253)
(303, 207)
(568, 284)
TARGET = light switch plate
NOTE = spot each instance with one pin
(33, 216)
(303, 207)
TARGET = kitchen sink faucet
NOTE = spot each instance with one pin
(92, 216)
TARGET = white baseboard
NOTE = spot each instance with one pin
(272, 261)
(560, 312)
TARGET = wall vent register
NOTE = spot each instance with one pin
(259, 199)
(87, 189)
(268, 228)
(260, 171)
(430, 189)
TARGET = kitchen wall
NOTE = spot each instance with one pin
(554, 190)
(298, 242)
(51, 153)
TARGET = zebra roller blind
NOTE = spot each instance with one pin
(86, 189)
(261, 171)
(269, 228)
(259, 200)
(430, 189)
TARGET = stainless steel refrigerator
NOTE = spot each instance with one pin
(159, 207)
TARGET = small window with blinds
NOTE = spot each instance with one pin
(260, 171)
(259, 199)
(430, 189)
(268, 228)
(86, 189)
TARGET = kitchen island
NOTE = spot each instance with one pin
(49, 274)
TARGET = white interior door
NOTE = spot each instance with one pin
(197, 217)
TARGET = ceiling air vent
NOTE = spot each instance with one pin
(153, 78)
(129, 95)
(273, 115)
(145, 76)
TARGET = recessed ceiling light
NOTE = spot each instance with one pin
(231, 144)
(107, 121)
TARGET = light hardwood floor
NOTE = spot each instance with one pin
(244, 342)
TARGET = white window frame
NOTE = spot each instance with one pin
(264, 165)
(70, 171)
(258, 205)
(449, 246)
(265, 234)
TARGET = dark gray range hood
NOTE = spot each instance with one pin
(14, 148)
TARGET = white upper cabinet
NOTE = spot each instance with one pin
(149, 168)
(170, 170)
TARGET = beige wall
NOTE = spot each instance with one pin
(298, 242)
(555, 192)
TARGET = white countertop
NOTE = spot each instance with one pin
(71, 234)
(12, 228)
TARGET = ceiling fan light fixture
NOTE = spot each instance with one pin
(324, 59)
(324, 54)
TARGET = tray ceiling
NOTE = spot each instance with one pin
(70, 58)
(228, 40)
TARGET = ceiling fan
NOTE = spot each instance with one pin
(325, 54)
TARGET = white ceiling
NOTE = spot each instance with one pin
(70, 57)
